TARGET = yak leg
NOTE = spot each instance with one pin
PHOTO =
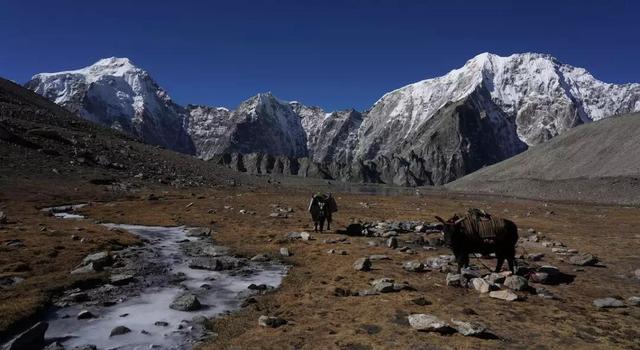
(462, 260)
(500, 262)
(315, 226)
(511, 260)
(321, 225)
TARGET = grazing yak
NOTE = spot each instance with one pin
(479, 232)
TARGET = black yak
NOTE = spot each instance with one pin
(479, 232)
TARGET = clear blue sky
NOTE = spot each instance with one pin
(334, 54)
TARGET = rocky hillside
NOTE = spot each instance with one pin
(427, 133)
(39, 139)
(600, 160)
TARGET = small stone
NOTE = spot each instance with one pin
(516, 282)
(421, 301)
(362, 264)
(379, 257)
(85, 347)
(90, 268)
(392, 243)
(121, 279)
(305, 236)
(3, 218)
(535, 256)
(428, 323)
(504, 295)
(161, 324)
(99, 260)
(85, 314)
(413, 266)
(636, 273)
(583, 260)
(186, 302)
(606, 303)
(481, 285)
(269, 321)
(469, 329)
(54, 346)
(539, 277)
(454, 280)
(119, 330)
(285, 251)
(634, 301)
(260, 258)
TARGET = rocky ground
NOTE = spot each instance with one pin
(393, 287)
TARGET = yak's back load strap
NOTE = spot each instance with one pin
(481, 224)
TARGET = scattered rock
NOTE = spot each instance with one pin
(428, 323)
(535, 256)
(504, 295)
(220, 263)
(3, 218)
(413, 266)
(186, 302)
(383, 285)
(285, 251)
(516, 282)
(85, 314)
(162, 324)
(469, 329)
(119, 330)
(606, 303)
(362, 264)
(305, 236)
(637, 273)
(583, 260)
(270, 321)
(32, 338)
(540, 277)
(392, 243)
(85, 347)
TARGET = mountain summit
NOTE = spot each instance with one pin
(116, 93)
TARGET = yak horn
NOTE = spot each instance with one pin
(459, 221)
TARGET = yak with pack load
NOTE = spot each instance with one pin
(479, 232)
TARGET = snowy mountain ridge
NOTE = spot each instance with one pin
(428, 132)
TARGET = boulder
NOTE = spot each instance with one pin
(119, 330)
(516, 282)
(383, 285)
(362, 264)
(634, 301)
(504, 295)
(428, 323)
(469, 329)
(32, 338)
(89, 268)
(285, 251)
(413, 266)
(121, 279)
(392, 243)
(481, 285)
(583, 260)
(270, 321)
(606, 303)
(186, 302)
(99, 260)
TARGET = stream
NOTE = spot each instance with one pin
(146, 280)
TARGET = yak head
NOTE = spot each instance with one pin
(451, 228)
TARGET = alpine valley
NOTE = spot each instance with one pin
(427, 133)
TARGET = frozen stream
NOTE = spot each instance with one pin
(143, 306)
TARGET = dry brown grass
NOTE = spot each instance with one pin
(322, 320)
